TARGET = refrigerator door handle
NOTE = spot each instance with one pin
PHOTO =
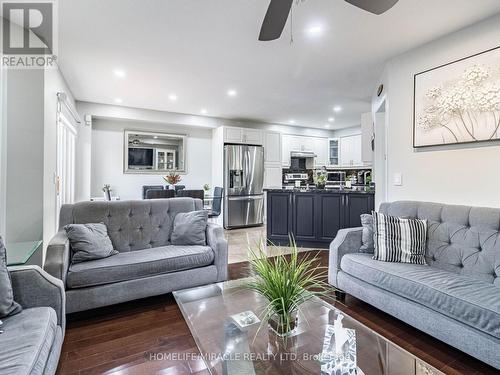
(249, 198)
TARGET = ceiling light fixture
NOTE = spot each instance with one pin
(315, 30)
(155, 137)
(327, 126)
(203, 111)
(331, 119)
(172, 97)
(337, 108)
(120, 73)
(291, 121)
(118, 101)
(232, 93)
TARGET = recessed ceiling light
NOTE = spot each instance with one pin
(203, 111)
(315, 30)
(118, 101)
(172, 97)
(327, 126)
(337, 108)
(291, 121)
(331, 119)
(120, 73)
(232, 92)
(155, 137)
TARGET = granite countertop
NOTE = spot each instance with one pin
(324, 191)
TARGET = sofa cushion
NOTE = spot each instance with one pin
(132, 225)
(190, 228)
(460, 239)
(89, 241)
(138, 264)
(27, 341)
(472, 302)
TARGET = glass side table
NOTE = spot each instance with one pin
(24, 253)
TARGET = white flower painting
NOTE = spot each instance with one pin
(458, 102)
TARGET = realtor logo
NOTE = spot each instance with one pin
(28, 34)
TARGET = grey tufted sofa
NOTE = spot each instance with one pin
(455, 298)
(147, 264)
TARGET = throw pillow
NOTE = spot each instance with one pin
(7, 304)
(399, 240)
(367, 236)
(190, 228)
(89, 242)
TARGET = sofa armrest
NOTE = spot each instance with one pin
(58, 256)
(347, 241)
(33, 287)
(216, 240)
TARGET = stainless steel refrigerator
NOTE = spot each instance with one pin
(243, 183)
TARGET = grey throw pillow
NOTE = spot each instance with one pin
(7, 304)
(89, 242)
(190, 228)
(367, 236)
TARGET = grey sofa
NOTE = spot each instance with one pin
(455, 298)
(147, 264)
(32, 339)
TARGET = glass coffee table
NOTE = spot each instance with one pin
(230, 344)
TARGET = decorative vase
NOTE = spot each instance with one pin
(278, 325)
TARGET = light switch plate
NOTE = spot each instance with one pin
(398, 179)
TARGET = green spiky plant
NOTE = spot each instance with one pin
(286, 281)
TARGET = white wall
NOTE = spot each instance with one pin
(107, 157)
(450, 174)
(24, 133)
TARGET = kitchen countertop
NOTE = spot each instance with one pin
(323, 191)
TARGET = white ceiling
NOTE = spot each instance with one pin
(198, 49)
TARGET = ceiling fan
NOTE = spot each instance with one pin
(278, 11)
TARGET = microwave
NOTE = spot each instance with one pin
(335, 178)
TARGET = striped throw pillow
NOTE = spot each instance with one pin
(399, 240)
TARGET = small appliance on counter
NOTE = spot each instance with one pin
(335, 178)
(295, 180)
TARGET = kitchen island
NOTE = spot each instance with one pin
(314, 216)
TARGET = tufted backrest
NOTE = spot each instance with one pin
(460, 239)
(132, 225)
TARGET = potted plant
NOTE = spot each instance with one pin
(320, 179)
(286, 282)
(206, 188)
(172, 179)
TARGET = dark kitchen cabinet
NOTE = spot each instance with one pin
(331, 215)
(279, 217)
(304, 217)
(313, 218)
(356, 205)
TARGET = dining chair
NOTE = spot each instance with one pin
(159, 194)
(216, 203)
(145, 188)
(200, 194)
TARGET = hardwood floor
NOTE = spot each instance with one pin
(122, 339)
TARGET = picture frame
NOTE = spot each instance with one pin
(458, 102)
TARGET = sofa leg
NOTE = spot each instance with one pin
(340, 295)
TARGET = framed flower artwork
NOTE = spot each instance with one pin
(458, 102)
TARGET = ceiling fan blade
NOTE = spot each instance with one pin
(275, 19)
(374, 6)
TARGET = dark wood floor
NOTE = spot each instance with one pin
(119, 339)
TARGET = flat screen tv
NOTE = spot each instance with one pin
(140, 157)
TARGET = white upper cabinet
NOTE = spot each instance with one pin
(243, 135)
(350, 151)
(272, 147)
(321, 150)
(291, 143)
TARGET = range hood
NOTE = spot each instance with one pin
(302, 154)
